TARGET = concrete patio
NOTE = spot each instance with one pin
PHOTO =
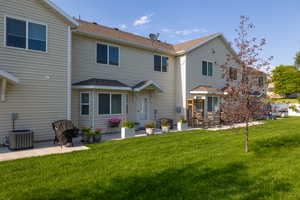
(48, 148)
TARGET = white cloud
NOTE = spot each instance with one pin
(190, 31)
(123, 26)
(166, 30)
(143, 20)
(182, 41)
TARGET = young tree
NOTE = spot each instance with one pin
(286, 80)
(244, 97)
(297, 59)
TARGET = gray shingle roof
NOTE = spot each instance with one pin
(101, 82)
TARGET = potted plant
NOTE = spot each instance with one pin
(87, 134)
(182, 125)
(97, 135)
(150, 128)
(128, 129)
(165, 126)
(114, 123)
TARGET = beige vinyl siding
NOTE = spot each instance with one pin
(135, 65)
(38, 100)
(205, 53)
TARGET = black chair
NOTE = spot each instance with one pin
(64, 132)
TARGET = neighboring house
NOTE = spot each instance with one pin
(97, 73)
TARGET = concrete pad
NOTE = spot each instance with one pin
(40, 149)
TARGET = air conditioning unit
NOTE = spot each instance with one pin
(20, 139)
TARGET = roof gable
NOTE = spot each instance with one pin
(60, 12)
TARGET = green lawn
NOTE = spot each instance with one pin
(283, 100)
(193, 165)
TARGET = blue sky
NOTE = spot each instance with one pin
(177, 21)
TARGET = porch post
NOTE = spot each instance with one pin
(4, 84)
(205, 107)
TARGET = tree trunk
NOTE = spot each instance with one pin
(247, 137)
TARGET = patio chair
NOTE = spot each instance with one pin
(199, 119)
(64, 132)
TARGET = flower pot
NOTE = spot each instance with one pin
(182, 126)
(165, 129)
(127, 132)
(150, 131)
(97, 138)
(87, 138)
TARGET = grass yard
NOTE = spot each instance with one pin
(283, 100)
(192, 165)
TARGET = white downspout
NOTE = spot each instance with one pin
(4, 84)
(69, 75)
(94, 96)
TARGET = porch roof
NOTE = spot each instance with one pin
(6, 77)
(105, 84)
(9, 77)
(145, 84)
(203, 89)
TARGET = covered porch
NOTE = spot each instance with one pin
(203, 107)
(101, 100)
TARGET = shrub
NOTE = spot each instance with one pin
(150, 124)
(165, 123)
(86, 130)
(98, 131)
(128, 124)
(183, 121)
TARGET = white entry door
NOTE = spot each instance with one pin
(143, 109)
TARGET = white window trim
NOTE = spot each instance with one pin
(108, 45)
(237, 74)
(82, 104)
(213, 104)
(110, 95)
(27, 33)
(161, 58)
(263, 81)
(207, 68)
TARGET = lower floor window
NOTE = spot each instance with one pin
(84, 103)
(110, 104)
(212, 104)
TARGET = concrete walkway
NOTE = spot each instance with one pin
(40, 149)
(47, 148)
(117, 136)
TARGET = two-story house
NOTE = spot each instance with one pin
(35, 65)
(55, 67)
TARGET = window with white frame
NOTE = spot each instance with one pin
(109, 103)
(84, 103)
(212, 104)
(207, 68)
(261, 81)
(108, 54)
(26, 34)
(161, 63)
(233, 73)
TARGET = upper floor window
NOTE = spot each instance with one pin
(207, 68)
(161, 63)
(261, 81)
(26, 35)
(232, 73)
(108, 54)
